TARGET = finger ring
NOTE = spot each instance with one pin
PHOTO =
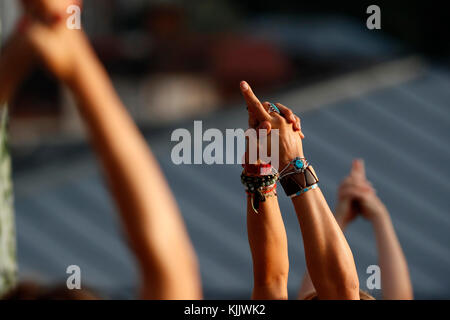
(274, 108)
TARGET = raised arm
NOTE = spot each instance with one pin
(150, 216)
(268, 244)
(266, 231)
(329, 259)
(356, 196)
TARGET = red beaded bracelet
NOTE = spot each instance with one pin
(260, 169)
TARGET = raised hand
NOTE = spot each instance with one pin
(357, 196)
(356, 189)
(287, 124)
(56, 45)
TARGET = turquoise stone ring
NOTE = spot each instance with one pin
(298, 164)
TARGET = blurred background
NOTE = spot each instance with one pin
(381, 95)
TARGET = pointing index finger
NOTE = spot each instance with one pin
(253, 104)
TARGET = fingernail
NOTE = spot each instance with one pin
(244, 85)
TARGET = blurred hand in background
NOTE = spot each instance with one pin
(357, 196)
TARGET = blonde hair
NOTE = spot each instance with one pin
(362, 296)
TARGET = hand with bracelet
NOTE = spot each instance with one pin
(328, 256)
(265, 227)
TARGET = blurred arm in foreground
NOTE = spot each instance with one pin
(153, 223)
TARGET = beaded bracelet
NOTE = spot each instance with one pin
(254, 183)
(259, 187)
(266, 191)
(259, 169)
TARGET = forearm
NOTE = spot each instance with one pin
(307, 287)
(328, 257)
(268, 244)
(395, 280)
(151, 218)
(15, 62)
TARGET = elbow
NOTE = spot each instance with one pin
(341, 291)
(344, 282)
(349, 290)
(339, 286)
(272, 287)
(348, 287)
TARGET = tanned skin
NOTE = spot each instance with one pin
(150, 216)
(328, 256)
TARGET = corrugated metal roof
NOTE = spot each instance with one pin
(65, 215)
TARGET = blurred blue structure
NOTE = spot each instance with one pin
(65, 215)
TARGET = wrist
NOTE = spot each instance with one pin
(380, 218)
(270, 287)
(82, 62)
(287, 158)
(298, 177)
